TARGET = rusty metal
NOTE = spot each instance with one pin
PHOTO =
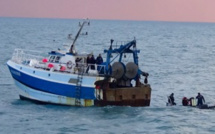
(123, 96)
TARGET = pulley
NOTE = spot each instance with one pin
(118, 70)
(131, 70)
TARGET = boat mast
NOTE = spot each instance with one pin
(77, 35)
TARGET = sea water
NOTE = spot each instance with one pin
(179, 58)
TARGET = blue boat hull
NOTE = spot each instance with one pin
(49, 90)
(51, 87)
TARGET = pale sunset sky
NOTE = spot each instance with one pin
(153, 10)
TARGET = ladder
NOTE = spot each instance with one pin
(78, 87)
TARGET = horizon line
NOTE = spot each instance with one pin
(21, 17)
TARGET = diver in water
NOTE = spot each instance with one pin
(200, 99)
(171, 99)
(188, 102)
(185, 101)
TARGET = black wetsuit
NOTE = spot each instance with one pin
(200, 99)
(171, 100)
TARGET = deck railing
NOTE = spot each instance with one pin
(21, 55)
(34, 59)
(93, 69)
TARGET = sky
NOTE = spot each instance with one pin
(148, 10)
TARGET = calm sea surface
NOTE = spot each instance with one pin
(180, 58)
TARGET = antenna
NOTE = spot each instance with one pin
(77, 35)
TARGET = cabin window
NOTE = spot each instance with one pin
(52, 59)
(57, 59)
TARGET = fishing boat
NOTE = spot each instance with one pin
(67, 77)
